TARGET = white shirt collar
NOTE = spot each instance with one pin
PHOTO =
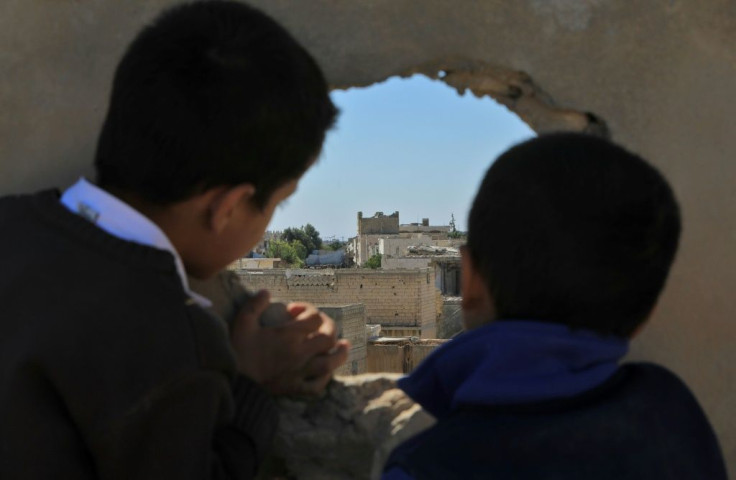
(123, 221)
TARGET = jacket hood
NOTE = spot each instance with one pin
(511, 362)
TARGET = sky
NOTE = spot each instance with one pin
(412, 145)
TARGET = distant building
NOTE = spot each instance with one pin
(380, 227)
(422, 252)
(370, 231)
(322, 258)
(378, 224)
(426, 228)
(409, 246)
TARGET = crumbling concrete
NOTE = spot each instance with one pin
(348, 433)
(659, 76)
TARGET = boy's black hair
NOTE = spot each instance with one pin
(572, 229)
(212, 93)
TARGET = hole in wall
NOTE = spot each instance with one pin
(413, 145)
(417, 145)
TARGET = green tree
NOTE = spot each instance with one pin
(313, 234)
(334, 245)
(374, 262)
(285, 251)
(454, 232)
(307, 235)
(299, 249)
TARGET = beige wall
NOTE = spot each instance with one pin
(402, 332)
(438, 230)
(368, 245)
(660, 74)
(378, 224)
(397, 247)
(350, 322)
(255, 263)
(405, 298)
(398, 355)
(404, 263)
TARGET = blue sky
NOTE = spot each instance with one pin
(412, 145)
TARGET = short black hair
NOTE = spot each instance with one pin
(212, 93)
(572, 229)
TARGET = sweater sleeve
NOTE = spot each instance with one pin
(396, 473)
(243, 445)
(196, 427)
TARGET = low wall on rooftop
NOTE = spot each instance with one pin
(405, 263)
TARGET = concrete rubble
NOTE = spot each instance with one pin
(347, 433)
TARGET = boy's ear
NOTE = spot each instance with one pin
(225, 203)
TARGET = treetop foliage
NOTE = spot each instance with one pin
(307, 235)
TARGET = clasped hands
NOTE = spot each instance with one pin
(295, 358)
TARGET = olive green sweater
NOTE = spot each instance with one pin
(107, 369)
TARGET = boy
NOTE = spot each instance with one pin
(570, 240)
(110, 367)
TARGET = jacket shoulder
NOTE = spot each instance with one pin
(643, 423)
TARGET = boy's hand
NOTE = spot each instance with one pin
(297, 357)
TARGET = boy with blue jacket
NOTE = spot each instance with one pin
(570, 240)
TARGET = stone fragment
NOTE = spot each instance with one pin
(345, 434)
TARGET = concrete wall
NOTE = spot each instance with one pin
(399, 355)
(405, 298)
(350, 321)
(402, 332)
(450, 243)
(405, 263)
(365, 246)
(659, 76)
(378, 224)
(448, 275)
(256, 263)
(437, 229)
(450, 322)
(397, 247)
(394, 247)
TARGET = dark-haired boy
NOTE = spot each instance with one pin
(110, 366)
(570, 240)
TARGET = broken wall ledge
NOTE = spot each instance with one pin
(514, 89)
(347, 433)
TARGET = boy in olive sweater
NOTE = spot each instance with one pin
(110, 366)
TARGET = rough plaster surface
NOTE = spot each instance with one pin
(348, 433)
(659, 76)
